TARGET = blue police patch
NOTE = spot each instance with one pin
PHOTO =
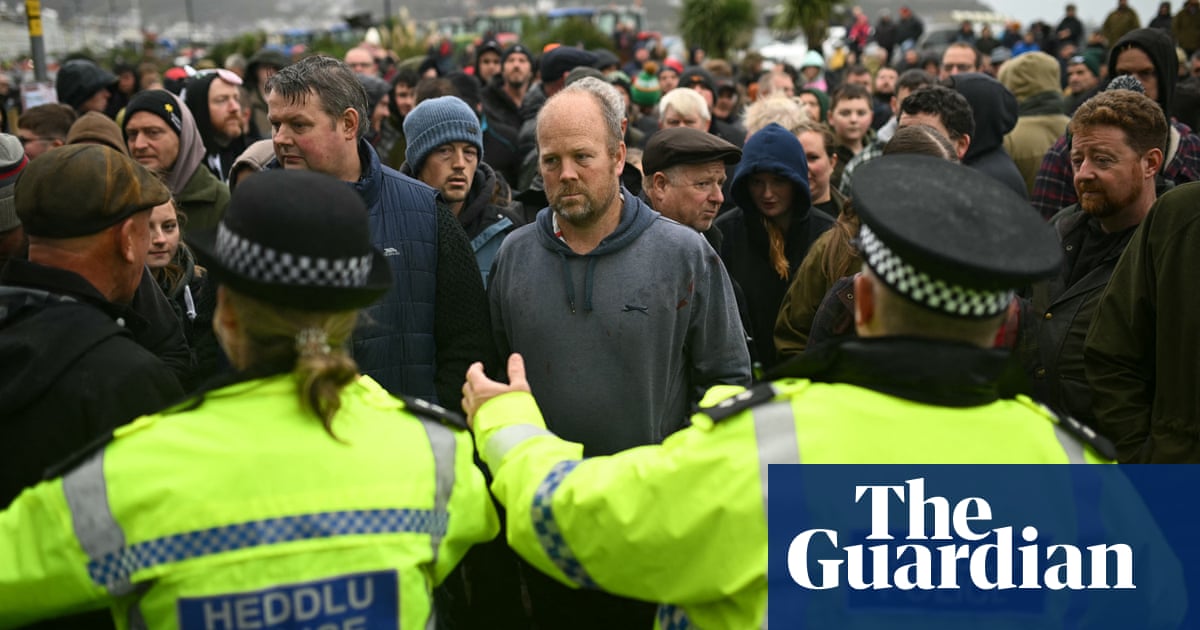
(360, 602)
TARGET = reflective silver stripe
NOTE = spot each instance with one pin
(443, 444)
(504, 440)
(1070, 444)
(95, 526)
(775, 437)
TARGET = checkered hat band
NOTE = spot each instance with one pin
(932, 293)
(263, 264)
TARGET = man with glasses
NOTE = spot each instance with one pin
(214, 99)
(1148, 55)
(44, 127)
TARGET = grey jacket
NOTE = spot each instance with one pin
(619, 343)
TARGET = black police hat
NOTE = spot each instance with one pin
(297, 239)
(684, 145)
(948, 237)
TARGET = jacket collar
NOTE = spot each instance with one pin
(23, 273)
(933, 372)
(370, 181)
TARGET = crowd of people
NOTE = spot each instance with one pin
(240, 309)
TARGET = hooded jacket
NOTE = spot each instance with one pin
(995, 111)
(219, 158)
(70, 371)
(487, 215)
(1034, 79)
(79, 79)
(197, 192)
(745, 248)
(620, 341)
(1055, 189)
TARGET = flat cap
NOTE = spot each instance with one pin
(81, 189)
(558, 62)
(948, 237)
(684, 145)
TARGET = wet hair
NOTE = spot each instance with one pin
(272, 340)
(1137, 115)
(610, 102)
(52, 120)
(922, 140)
(788, 112)
(330, 79)
(948, 105)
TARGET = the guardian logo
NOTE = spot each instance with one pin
(916, 560)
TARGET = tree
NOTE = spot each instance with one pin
(573, 31)
(717, 26)
(809, 16)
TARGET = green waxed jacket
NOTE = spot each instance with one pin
(244, 509)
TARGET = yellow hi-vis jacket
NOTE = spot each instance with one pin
(684, 522)
(244, 512)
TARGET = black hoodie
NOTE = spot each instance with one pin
(218, 157)
(995, 111)
(1158, 46)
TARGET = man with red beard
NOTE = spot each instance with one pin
(214, 99)
(1117, 150)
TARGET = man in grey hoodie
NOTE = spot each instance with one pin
(624, 316)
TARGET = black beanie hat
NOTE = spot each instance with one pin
(157, 102)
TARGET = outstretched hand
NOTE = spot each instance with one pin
(479, 388)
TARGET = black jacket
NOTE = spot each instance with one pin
(1055, 321)
(745, 249)
(498, 106)
(70, 371)
(995, 110)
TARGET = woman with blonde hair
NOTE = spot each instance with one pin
(769, 233)
(300, 493)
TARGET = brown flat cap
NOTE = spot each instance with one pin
(97, 128)
(684, 145)
(81, 189)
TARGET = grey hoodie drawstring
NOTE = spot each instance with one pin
(588, 281)
(587, 284)
(570, 283)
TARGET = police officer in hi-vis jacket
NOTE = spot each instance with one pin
(300, 495)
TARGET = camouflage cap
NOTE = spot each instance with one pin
(81, 189)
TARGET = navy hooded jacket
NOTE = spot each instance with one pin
(745, 248)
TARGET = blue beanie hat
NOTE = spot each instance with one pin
(439, 121)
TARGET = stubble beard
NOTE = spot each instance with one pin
(587, 213)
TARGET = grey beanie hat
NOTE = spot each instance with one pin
(12, 162)
(439, 121)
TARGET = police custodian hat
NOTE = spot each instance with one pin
(949, 237)
(684, 145)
